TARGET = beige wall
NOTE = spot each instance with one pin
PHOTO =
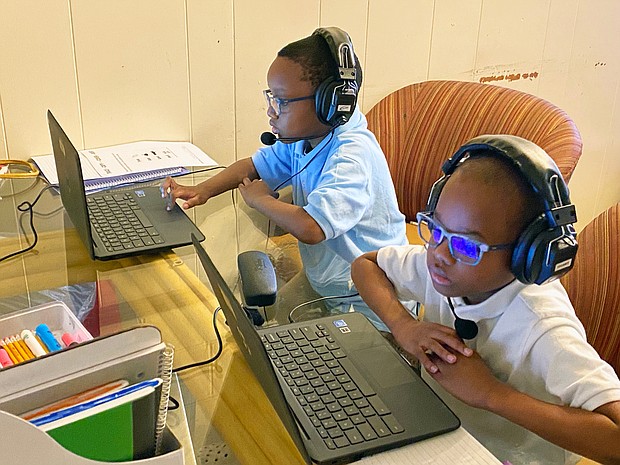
(121, 70)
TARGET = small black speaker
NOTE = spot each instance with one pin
(258, 279)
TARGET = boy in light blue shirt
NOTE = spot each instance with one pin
(344, 202)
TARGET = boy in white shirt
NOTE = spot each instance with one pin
(526, 383)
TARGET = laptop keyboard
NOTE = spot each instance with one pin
(342, 406)
(120, 223)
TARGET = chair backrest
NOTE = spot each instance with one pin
(421, 125)
(593, 284)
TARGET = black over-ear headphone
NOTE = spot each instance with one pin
(546, 249)
(336, 96)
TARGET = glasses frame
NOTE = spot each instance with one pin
(281, 102)
(482, 247)
(32, 172)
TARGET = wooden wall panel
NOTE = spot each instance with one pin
(37, 73)
(194, 70)
(132, 70)
(454, 40)
(397, 47)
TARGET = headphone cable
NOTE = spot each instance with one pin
(320, 299)
(331, 136)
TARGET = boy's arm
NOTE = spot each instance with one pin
(224, 181)
(292, 218)
(595, 435)
(416, 337)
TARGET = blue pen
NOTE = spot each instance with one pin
(57, 415)
(47, 338)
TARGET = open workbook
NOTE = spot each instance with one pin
(117, 165)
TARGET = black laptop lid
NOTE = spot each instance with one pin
(250, 344)
(71, 182)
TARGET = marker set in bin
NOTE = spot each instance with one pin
(37, 331)
(27, 345)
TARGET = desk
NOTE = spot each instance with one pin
(168, 291)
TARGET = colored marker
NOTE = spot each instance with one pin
(41, 343)
(8, 346)
(68, 340)
(19, 348)
(32, 343)
(8, 351)
(5, 360)
(24, 346)
(47, 337)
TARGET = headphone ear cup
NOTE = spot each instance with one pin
(526, 251)
(543, 253)
(323, 100)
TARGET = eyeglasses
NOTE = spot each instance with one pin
(462, 248)
(276, 104)
(14, 169)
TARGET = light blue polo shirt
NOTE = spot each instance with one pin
(344, 183)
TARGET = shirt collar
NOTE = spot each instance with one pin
(492, 307)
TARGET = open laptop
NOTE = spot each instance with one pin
(142, 223)
(355, 398)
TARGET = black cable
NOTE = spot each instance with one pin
(15, 194)
(23, 207)
(174, 402)
(220, 347)
(331, 136)
(290, 315)
(211, 168)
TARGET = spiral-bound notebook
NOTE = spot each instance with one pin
(95, 185)
(119, 165)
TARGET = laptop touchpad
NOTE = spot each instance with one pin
(381, 364)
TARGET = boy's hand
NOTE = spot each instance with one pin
(469, 379)
(191, 194)
(422, 339)
(255, 191)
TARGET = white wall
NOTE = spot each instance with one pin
(124, 70)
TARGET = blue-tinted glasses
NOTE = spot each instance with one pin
(463, 248)
(277, 104)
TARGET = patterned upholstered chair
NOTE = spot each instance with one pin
(593, 284)
(421, 125)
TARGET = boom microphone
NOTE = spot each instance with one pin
(269, 138)
(465, 329)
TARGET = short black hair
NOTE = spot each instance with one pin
(316, 59)
(499, 171)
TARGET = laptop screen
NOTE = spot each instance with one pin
(250, 344)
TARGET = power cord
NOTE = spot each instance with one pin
(24, 207)
(220, 347)
(171, 400)
(320, 299)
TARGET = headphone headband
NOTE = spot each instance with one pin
(340, 45)
(336, 96)
(533, 162)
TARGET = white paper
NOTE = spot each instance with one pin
(456, 447)
(135, 157)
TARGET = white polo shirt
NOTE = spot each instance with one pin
(530, 338)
